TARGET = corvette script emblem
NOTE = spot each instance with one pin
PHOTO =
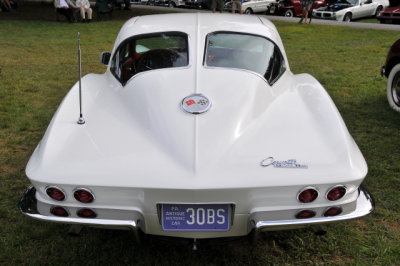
(196, 104)
(292, 163)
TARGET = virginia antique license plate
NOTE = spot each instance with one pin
(195, 217)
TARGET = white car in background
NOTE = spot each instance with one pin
(197, 129)
(252, 6)
(348, 10)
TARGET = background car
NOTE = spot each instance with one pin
(197, 129)
(206, 4)
(391, 70)
(252, 6)
(290, 8)
(348, 10)
(390, 14)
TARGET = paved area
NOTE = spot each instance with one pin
(360, 25)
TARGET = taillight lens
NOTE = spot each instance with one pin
(304, 214)
(55, 193)
(336, 193)
(59, 211)
(307, 195)
(86, 213)
(83, 195)
(333, 211)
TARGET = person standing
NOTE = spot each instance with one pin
(84, 7)
(306, 6)
(237, 5)
(217, 4)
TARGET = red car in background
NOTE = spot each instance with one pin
(292, 8)
(390, 14)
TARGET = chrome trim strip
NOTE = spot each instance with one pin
(365, 205)
(28, 206)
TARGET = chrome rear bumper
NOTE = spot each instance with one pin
(365, 204)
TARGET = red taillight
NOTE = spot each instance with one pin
(55, 193)
(333, 211)
(83, 195)
(304, 214)
(336, 193)
(86, 213)
(59, 211)
(307, 195)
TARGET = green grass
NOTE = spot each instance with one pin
(38, 60)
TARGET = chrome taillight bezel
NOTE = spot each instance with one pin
(331, 188)
(55, 187)
(86, 190)
(64, 208)
(304, 189)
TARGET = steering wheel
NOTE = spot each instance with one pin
(160, 58)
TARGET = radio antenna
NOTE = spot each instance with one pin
(80, 121)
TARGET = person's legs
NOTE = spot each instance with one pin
(89, 13)
(82, 10)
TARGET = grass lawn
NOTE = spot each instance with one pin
(38, 60)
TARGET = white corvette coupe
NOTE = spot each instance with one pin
(198, 129)
(347, 10)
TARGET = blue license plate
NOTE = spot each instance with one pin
(195, 217)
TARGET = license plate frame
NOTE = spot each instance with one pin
(196, 217)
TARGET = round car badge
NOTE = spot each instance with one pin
(196, 104)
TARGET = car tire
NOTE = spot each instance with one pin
(378, 10)
(171, 4)
(289, 13)
(393, 88)
(248, 11)
(347, 17)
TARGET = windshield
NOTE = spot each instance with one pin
(148, 52)
(244, 51)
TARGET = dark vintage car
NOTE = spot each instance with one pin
(390, 14)
(290, 8)
(391, 70)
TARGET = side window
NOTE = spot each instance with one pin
(149, 52)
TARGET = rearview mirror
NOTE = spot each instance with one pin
(105, 58)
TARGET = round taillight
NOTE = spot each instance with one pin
(307, 195)
(83, 195)
(59, 211)
(86, 213)
(333, 211)
(55, 193)
(336, 193)
(304, 214)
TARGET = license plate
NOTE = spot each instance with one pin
(195, 217)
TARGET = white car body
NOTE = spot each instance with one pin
(256, 146)
(355, 9)
(256, 6)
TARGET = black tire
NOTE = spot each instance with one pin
(382, 21)
(289, 13)
(248, 11)
(393, 88)
(171, 4)
(347, 17)
(378, 10)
